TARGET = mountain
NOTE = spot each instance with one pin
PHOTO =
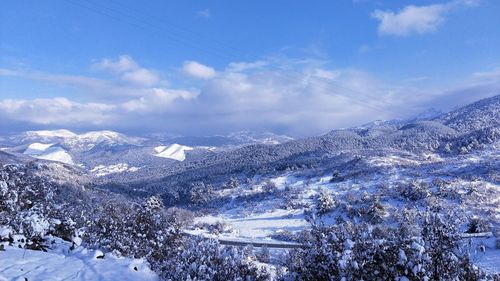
(90, 140)
(47, 135)
(73, 141)
(454, 131)
(229, 140)
(440, 135)
(481, 114)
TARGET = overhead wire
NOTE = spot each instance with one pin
(179, 35)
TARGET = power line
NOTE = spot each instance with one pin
(172, 31)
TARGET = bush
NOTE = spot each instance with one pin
(269, 187)
(478, 225)
(202, 259)
(324, 202)
(231, 184)
(200, 193)
(28, 207)
(414, 191)
(363, 252)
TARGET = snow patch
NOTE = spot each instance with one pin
(174, 151)
(63, 264)
(48, 152)
(102, 170)
(52, 133)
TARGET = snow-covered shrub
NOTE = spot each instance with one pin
(324, 202)
(336, 177)
(201, 259)
(179, 218)
(285, 235)
(478, 225)
(414, 190)
(269, 187)
(27, 205)
(376, 212)
(231, 184)
(294, 200)
(218, 227)
(132, 229)
(363, 252)
(264, 255)
(201, 193)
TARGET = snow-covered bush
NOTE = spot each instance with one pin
(336, 177)
(231, 184)
(363, 252)
(376, 211)
(201, 259)
(414, 190)
(264, 255)
(200, 193)
(285, 235)
(28, 207)
(294, 200)
(134, 230)
(478, 225)
(269, 187)
(324, 202)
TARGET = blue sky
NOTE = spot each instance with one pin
(206, 67)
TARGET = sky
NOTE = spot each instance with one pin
(214, 67)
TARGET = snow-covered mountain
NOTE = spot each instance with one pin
(479, 115)
(92, 150)
(230, 140)
(73, 141)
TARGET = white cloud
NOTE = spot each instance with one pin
(242, 66)
(158, 99)
(296, 97)
(416, 19)
(122, 64)
(205, 13)
(141, 77)
(58, 110)
(129, 71)
(198, 70)
(411, 19)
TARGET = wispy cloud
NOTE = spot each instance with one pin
(205, 13)
(130, 71)
(197, 70)
(416, 19)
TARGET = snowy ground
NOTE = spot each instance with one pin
(259, 218)
(63, 264)
(103, 170)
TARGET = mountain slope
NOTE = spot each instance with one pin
(478, 115)
(412, 137)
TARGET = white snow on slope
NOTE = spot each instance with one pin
(174, 151)
(102, 170)
(259, 225)
(91, 139)
(62, 264)
(83, 141)
(48, 152)
(51, 134)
